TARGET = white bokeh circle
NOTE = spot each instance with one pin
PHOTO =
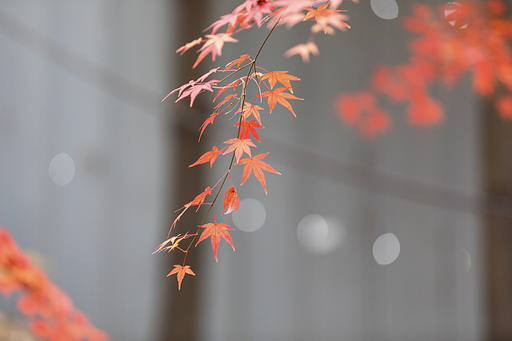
(386, 249)
(250, 216)
(61, 169)
(319, 235)
(385, 9)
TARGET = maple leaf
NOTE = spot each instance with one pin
(175, 240)
(252, 109)
(240, 146)
(187, 46)
(321, 11)
(228, 19)
(209, 120)
(255, 164)
(325, 23)
(164, 243)
(198, 201)
(238, 61)
(255, 10)
(281, 77)
(203, 77)
(196, 89)
(210, 156)
(303, 50)
(193, 85)
(214, 46)
(249, 128)
(180, 272)
(225, 99)
(231, 201)
(278, 96)
(215, 231)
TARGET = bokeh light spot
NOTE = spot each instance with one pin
(250, 216)
(386, 249)
(462, 260)
(318, 234)
(62, 169)
(385, 9)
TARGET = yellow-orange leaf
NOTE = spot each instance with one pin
(281, 77)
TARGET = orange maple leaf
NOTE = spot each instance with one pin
(225, 99)
(180, 272)
(231, 201)
(321, 11)
(215, 231)
(238, 61)
(278, 96)
(255, 164)
(210, 156)
(240, 146)
(281, 77)
(251, 109)
(205, 123)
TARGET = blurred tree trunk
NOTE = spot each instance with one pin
(179, 318)
(498, 227)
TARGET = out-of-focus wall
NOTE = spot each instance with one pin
(83, 152)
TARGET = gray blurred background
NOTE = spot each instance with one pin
(358, 239)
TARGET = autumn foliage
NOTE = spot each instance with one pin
(273, 88)
(467, 37)
(50, 311)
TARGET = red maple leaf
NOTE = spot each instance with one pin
(240, 146)
(249, 128)
(281, 77)
(278, 96)
(231, 201)
(210, 156)
(180, 272)
(255, 164)
(215, 231)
